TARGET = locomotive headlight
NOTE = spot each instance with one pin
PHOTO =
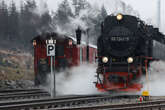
(34, 43)
(119, 17)
(70, 42)
(129, 59)
(105, 59)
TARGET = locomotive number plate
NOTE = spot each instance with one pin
(120, 39)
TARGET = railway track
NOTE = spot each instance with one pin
(150, 105)
(82, 102)
(59, 103)
(16, 90)
(14, 94)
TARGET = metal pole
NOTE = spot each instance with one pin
(147, 80)
(51, 68)
(87, 45)
(54, 79)
(159, 13)
(147, 77)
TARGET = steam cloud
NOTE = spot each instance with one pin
(156, 79)
(79, 81)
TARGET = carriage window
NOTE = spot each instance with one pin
(59, 50)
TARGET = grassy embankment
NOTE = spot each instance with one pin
(15, 65)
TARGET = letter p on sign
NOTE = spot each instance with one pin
(50, 49)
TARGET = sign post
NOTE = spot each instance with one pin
(51, 53)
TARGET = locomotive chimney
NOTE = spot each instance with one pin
(78, 35)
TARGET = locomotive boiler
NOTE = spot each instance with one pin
(125, 48)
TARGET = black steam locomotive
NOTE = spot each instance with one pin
(125, 48)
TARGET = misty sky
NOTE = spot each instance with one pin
(146, 8)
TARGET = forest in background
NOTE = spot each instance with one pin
(19, 26)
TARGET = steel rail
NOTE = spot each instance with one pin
(18, 90)
(19, 93)
(22, 94)
(132, 106)
(57, 102)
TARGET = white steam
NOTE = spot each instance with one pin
(75, 22)
(77, 80)
(156, 79)
(42, 8)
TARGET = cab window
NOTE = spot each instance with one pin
(59, 50)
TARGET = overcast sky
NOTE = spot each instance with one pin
(146, 8)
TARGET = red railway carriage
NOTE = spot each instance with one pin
(67, 54)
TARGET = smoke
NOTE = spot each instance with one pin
(77, 80)
(42, 8)
(83, 20)
(156, 79)
(70, 27)
(75, 22)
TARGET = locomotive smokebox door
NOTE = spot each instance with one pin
(78, 35)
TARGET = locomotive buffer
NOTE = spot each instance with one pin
(51, 52)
